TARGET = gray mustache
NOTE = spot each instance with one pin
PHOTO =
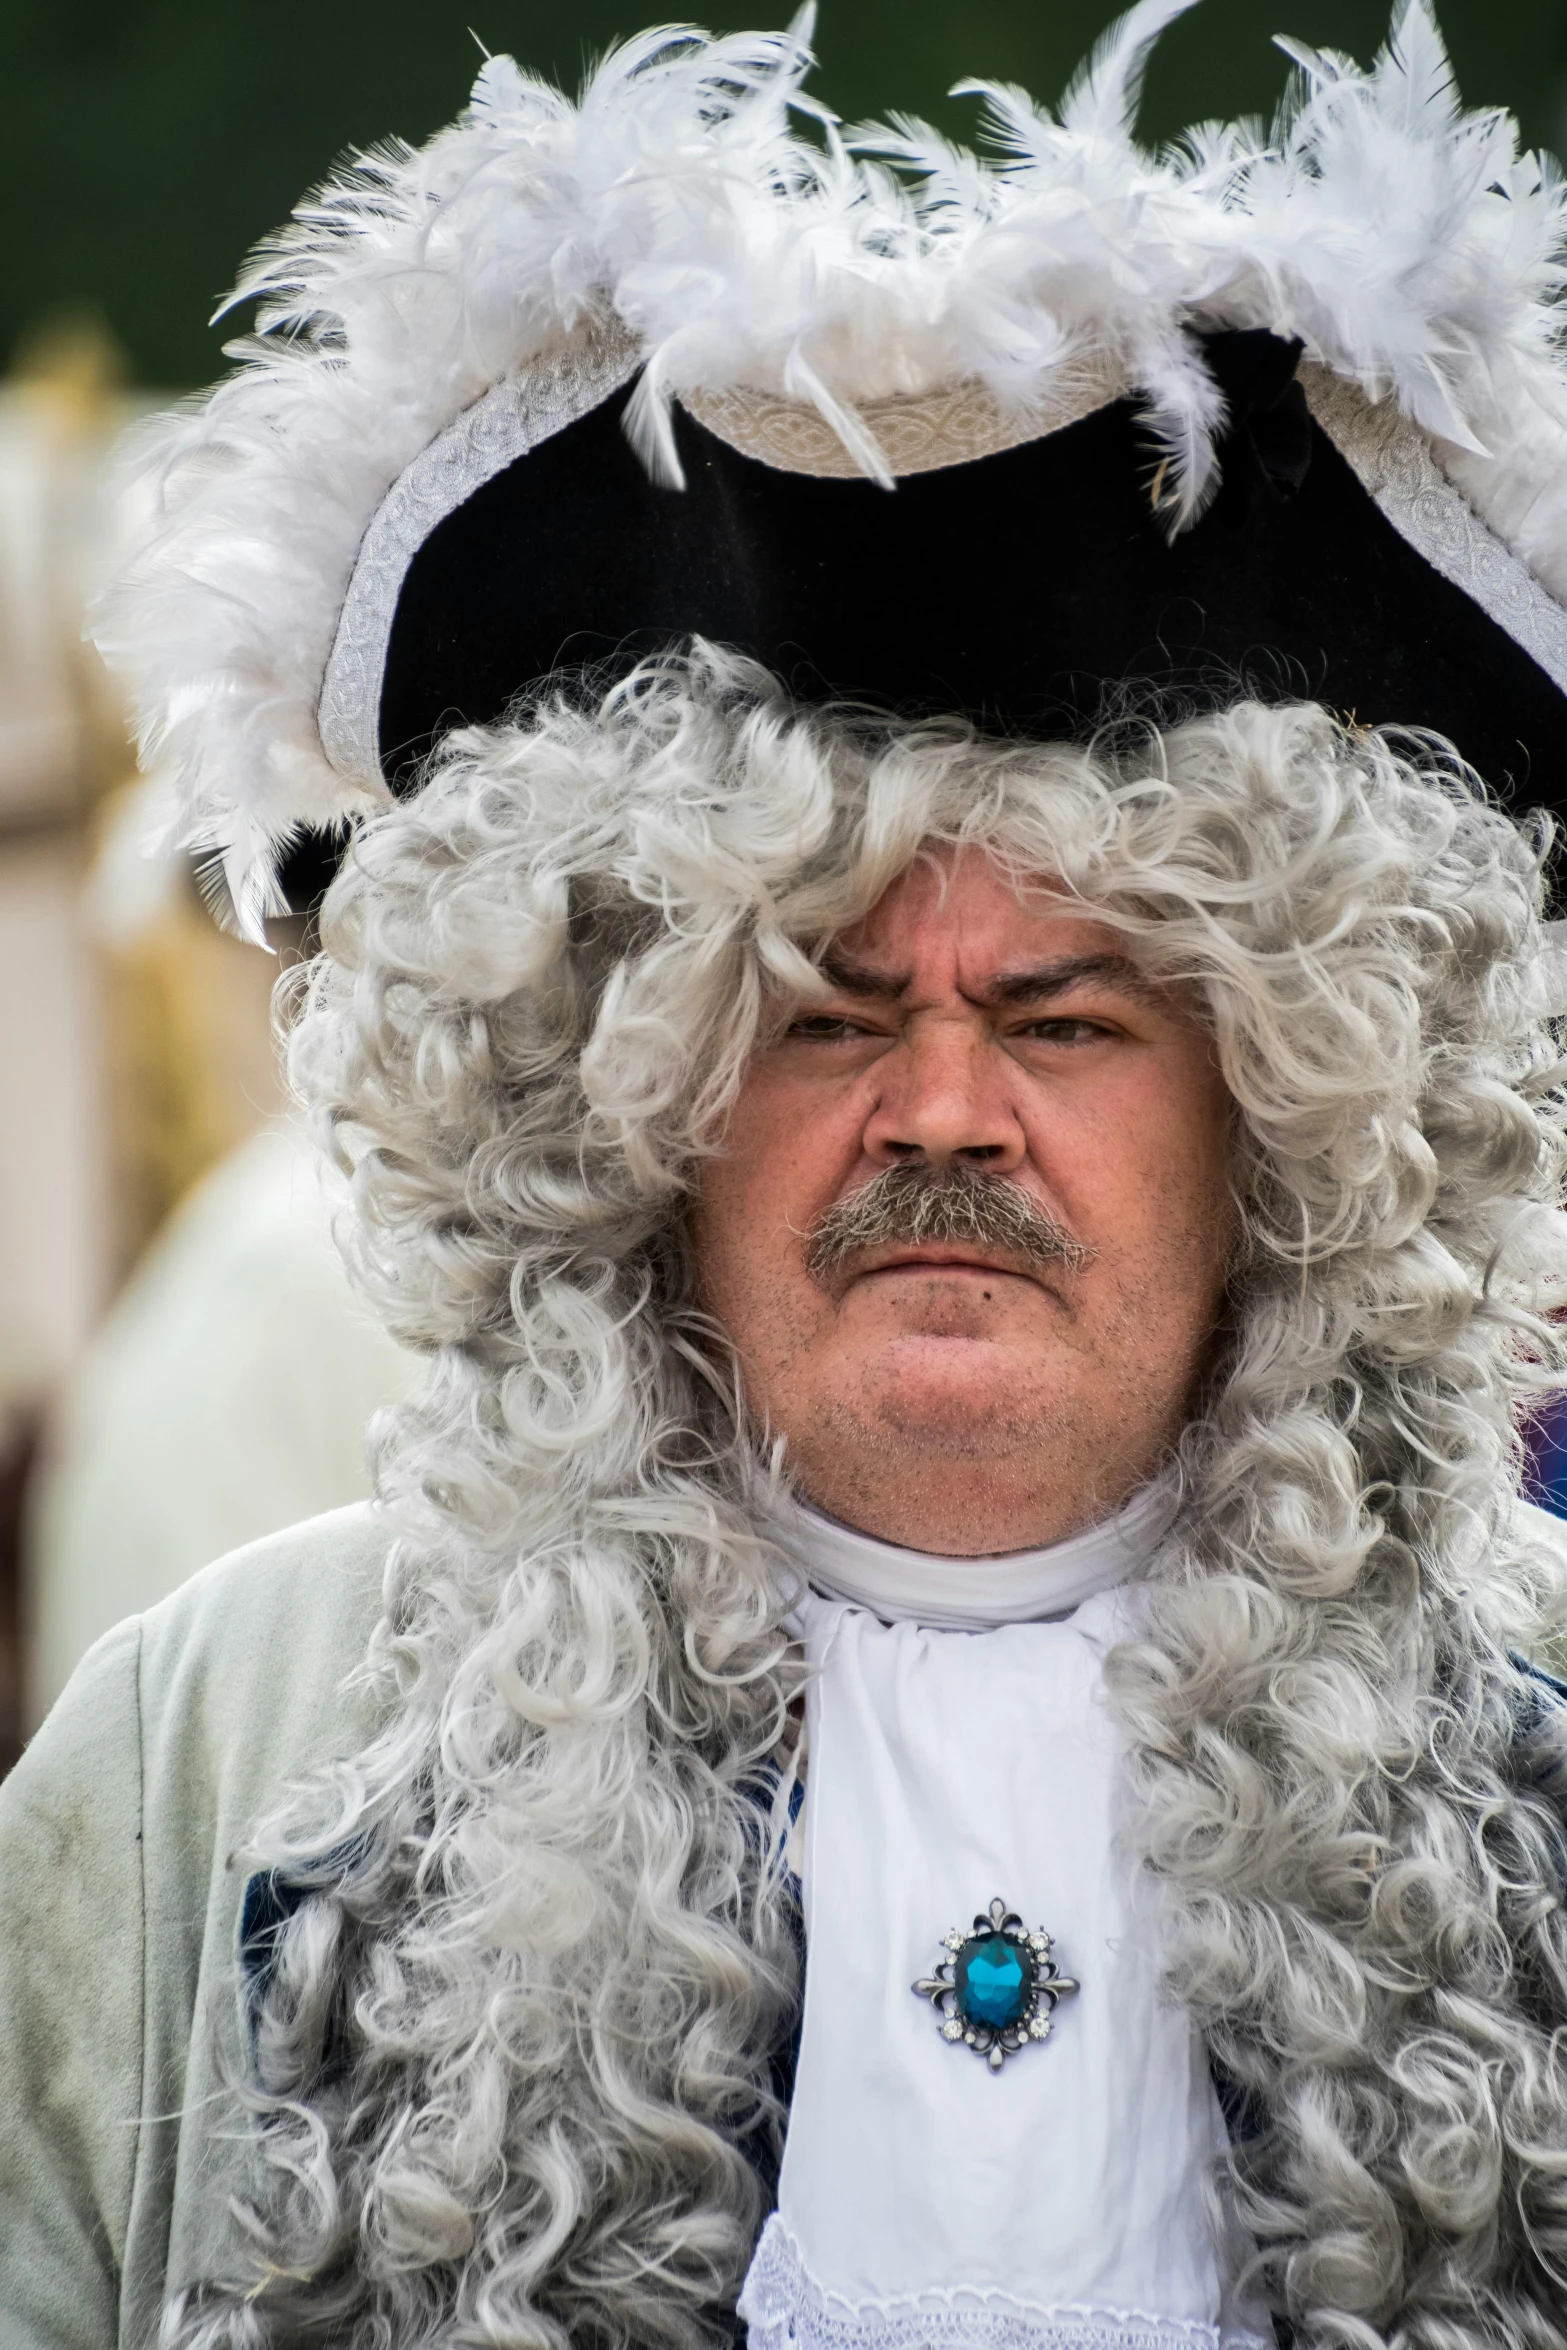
(914, 1203)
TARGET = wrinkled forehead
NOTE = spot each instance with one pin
(971, 916)
(963, 885)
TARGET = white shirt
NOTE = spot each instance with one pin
(1061, 2203)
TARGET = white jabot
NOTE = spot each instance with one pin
(925, 2202)
(965, 1594)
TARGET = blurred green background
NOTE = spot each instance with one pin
(145, 144)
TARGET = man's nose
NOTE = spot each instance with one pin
(944, 1099)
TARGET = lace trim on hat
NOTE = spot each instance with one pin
(784, 2308)
(915, 433)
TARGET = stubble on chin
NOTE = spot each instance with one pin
(969, 1463)
(892, 1417)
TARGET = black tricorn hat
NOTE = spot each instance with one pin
(1037, 441)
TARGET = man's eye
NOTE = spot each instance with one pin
(825, 1027)
(1064, 1031)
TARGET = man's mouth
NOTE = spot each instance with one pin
(915, 1257)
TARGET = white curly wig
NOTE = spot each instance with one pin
(512, 2054)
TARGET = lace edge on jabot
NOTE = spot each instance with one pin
(785, 2308)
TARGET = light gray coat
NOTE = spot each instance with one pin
(122, 1872)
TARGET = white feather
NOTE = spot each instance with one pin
(1408, 245)
(1102, 101)
(1183, 414)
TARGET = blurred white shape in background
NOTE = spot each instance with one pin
(226, 1395)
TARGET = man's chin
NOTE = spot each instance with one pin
(967, 1397)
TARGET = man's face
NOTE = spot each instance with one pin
(969, 1395)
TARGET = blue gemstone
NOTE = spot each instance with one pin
(994, 1980)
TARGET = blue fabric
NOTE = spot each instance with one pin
(1546, 1436)
(270, 1899)
(1542, 1679)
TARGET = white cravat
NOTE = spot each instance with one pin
(966, 1594)
(925, 2202)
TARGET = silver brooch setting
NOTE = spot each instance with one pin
(998, 1989)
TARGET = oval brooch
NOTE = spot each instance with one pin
(998, 1988)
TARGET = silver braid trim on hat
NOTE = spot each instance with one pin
(1395, 461)
(510, 419)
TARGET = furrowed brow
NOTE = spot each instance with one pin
(1047, 980)
(852, 978)
(1039, 984)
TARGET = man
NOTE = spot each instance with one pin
(986, 1271)
(971, 1029)
(1106, 1154)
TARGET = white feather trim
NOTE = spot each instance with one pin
(1407, 244)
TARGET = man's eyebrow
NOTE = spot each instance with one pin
(1035, 985)
(852, 978)
(1068, 971)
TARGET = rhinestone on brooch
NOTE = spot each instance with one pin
(997, 1988)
